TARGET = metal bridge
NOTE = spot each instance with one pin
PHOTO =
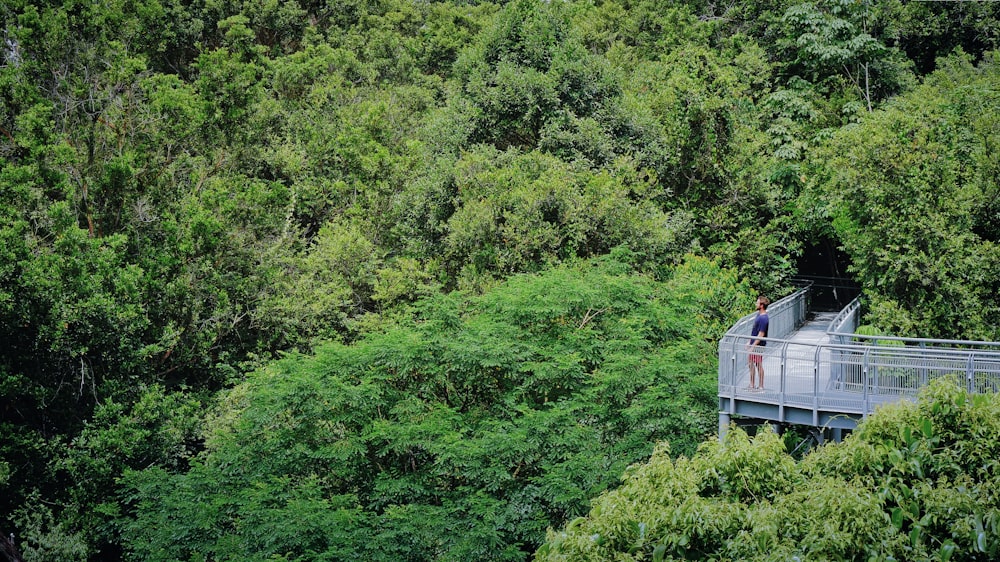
(819, 373)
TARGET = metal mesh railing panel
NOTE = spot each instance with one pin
(847, 373)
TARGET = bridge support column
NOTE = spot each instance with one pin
(724, 421)
(838, 435)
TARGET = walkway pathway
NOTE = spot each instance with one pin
(817, 373)
(797, 387)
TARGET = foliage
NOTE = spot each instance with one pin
(913, 192)
(833, 39)
(191, 189)
(929, 31)
(915, 481)
(523, 212)
(159, 429)
(43, 538)
(499, 414)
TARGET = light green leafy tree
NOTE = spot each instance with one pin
(499, 415)
(913, 194)
(913, 482)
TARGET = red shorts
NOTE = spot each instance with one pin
(756, 358)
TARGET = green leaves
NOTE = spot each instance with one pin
(910, 203)
(526, 73)
(188, 190)
(906, 485)
(500, 414)
(516, 212)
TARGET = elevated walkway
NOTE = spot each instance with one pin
(819, 373)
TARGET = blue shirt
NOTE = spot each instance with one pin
(760, 326)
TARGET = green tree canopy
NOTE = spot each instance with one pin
(913, 191)
(499, 415)
(190, 189)
(914, 481)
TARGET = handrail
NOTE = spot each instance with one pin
(842, 375)
(784, 315)
(850, 314)
(924, 342)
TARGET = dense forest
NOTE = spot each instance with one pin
(418, 280)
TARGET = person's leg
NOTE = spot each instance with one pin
(755, 369)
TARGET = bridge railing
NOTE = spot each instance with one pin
(841, 330)
(845, 373)
(876, 374)
(784, 317)
(843, 325)
(901, 366)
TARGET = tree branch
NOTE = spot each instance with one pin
(591, 313)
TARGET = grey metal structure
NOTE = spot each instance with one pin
(820, 373)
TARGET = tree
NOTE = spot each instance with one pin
(517, 212)
(909, 483)
(498, 414)
(927, 31)
(912, 192)
(835, 39)
(525, 70)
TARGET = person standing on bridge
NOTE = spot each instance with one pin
(757, 343)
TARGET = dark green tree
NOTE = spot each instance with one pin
(913, 194)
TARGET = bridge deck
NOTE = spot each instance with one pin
(823, 380)
(798, 352)
(796, 382)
